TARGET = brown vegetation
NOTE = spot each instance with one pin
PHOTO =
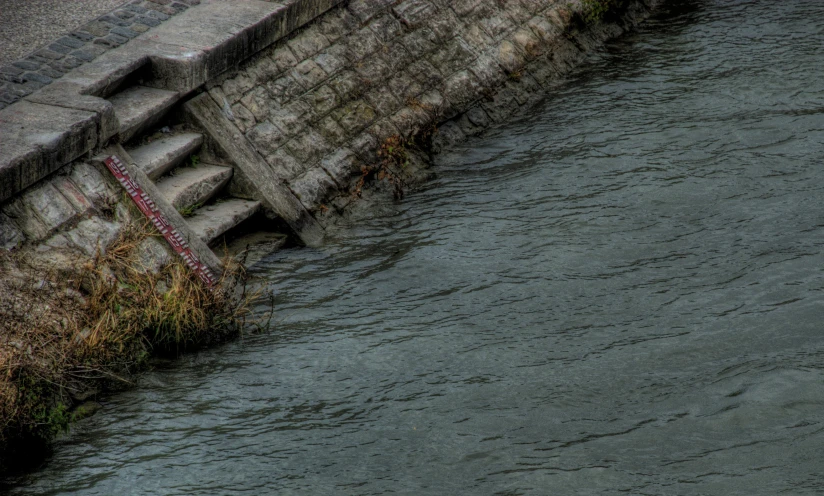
(70, 332)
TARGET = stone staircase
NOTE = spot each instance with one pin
(171, 159)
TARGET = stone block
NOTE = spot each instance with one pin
(243, 118)
(396, 56)
(420, 42)
(89, 52)
(66, 94)
(502, 105)
(111, 40)
(139, 27)
(61, 49)
(308, 146)
(283, 165)
(236, 87)
(153, 254)
(93, 235)
(341, 166)
(38, 139)
(543, 29)
(283, 58)
(425, 74)
(70, 42)
(348, 85)
(435, 104)
(410, 120)
(94, 186)
(365, 10)
(284, 89)
(373, 70)
(11, 236)
(453, 57)
(477, 37)
(308, 43)
(73, 194)
(383, 129)
(266, 138)
(536, 6)
(488, 71)
(337, 25)
(66, 64)
(262, 70)
(46, 202)
(332, 60)
(361, 44)
(443, 25)
(497, 25)
(414, 13)
(312, 187)
(331, 130)
(509, 57)
(405, 88)
(292, 118)
(28, 222)
(448, 134)
(462, 89)
(528, 43)
(465, 7)
(257, 101)
(322, 100)
(355, 116)
(515, 10)
(365, 146)
(308, 74)
(383, 100)
(386, 27)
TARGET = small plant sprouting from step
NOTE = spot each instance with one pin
(194, 160)
(189, 211)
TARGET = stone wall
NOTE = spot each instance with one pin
(318, 106)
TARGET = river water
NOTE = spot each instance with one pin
(618, 292)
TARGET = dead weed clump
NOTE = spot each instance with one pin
(62, 335)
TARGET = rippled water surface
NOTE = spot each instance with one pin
(619, 292)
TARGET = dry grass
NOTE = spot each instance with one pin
(97, 323)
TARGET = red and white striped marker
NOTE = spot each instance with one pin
(150, 210)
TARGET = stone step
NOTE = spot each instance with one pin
(164, 154)
(191, 186)
(139, 107)
(213, 221)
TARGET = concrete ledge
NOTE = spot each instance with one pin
(206, 41)
(36, 140)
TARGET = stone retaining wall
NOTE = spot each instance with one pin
(318, 106)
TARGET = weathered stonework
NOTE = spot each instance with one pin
(376, 68)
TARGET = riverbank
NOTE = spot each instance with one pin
(310, 131)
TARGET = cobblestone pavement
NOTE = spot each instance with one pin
(26, 25)
(40, 40)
